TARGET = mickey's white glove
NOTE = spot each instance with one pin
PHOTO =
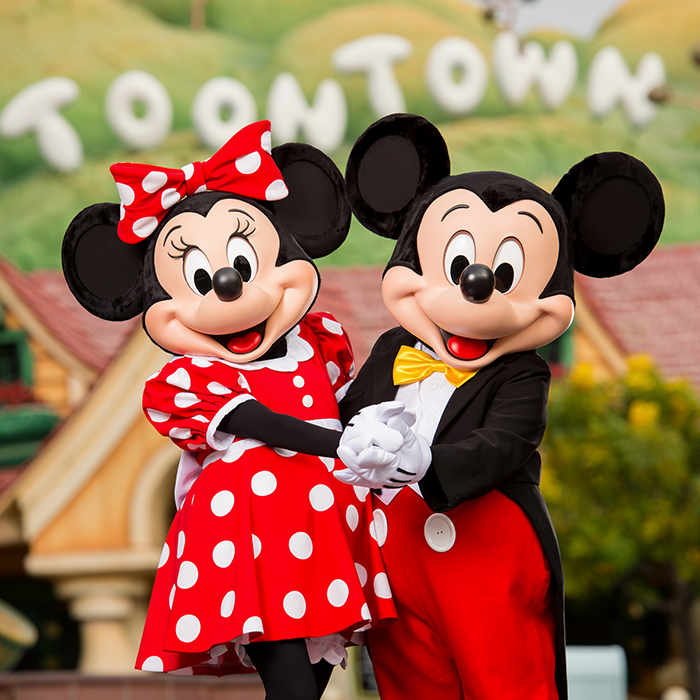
(381, 451)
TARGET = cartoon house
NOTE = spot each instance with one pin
(86, 483)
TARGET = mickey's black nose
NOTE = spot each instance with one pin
(477, 283)
(228, 284)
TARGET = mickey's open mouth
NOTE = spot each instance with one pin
(466, 348)
(242, 342)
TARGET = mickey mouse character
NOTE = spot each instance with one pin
(482, 274)
(268, 561)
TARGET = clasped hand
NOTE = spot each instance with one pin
(380, 450)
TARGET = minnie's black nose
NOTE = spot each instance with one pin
(228, 284)
(477, 283)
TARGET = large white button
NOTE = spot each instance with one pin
(431, 385)
(439, 532)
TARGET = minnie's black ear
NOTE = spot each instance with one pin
(615, 208)
(316, 211)
(393, 163)
(103, 272)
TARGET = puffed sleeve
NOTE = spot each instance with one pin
(187, 400)
(335, 349)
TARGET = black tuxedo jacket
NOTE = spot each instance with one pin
(487, 438)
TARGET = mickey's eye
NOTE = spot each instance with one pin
(460, 253)
(508, 265)
(242, 257)
(197, 271)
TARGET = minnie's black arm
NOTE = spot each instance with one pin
(253, 420)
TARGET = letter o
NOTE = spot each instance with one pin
(212, 98)
(450, 54)
(153, 127)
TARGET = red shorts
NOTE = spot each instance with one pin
(472, 591)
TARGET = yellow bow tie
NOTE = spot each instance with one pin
(412, 365)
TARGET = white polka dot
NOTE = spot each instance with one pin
(185, 399)
(188, 170)
(122, 212)
(352, 517)
(222, 503)
(328, 462)
(180, 378)
(294, 605)
(332, 326)
(366, 615)
(266, 141)
(171, 598)
(243, 382)
(263, 483)
(227, 604)
(223, 554)
(180, 543)
(126, 194)
(158, 416)
(338, 593)
(218, 389)
(333, 371)
(361, 574)
(321, 497)
(153, 663)
(188, 628)
(381, 586)
(169, 198)
(180, 433)
(361, 492)
(381, 527)
(195, 446)
(200, 419)
(165, 553)
(277, 190)
(154, 181)
(145, 227)
(284, 453)
(200, 362)
(218, 650)
(248, 163)
(300, 545)
(187, 575)
(308, 401)
(257, 546)
(252, 624)
(298, 381)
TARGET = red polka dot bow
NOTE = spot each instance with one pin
(242, 166)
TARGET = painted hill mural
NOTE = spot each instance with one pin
(324, 70)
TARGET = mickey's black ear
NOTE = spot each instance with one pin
(103, 272)
(393, 163)
(615, 208)
(316, 211)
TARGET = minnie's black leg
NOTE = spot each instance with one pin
(322, 673)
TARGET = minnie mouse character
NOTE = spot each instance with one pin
(482, 274)
(268, 562)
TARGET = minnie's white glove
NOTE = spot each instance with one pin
(380, 449)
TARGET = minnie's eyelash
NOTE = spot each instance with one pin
(186, 247)
(243, 232)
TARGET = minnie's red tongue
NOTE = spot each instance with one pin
(467, 348)
(242, 344)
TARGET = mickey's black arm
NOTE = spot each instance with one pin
(253, 420)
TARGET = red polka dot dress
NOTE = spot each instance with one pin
(266, 544)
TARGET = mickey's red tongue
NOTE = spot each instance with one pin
(466, 348)
(242, 344)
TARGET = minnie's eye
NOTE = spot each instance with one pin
(508, 265)
(197, 271)
(242, 257)
(460, 253)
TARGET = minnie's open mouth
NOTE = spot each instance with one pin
(242, 342)
(466, 348)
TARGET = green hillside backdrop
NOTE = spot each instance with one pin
(94, 41)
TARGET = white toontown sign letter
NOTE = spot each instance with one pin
(323, 124)
(35, 109)
(376, 55)
(217, 97)
(450, 56)
(610, 82)
(138, 87)
(518, 67)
